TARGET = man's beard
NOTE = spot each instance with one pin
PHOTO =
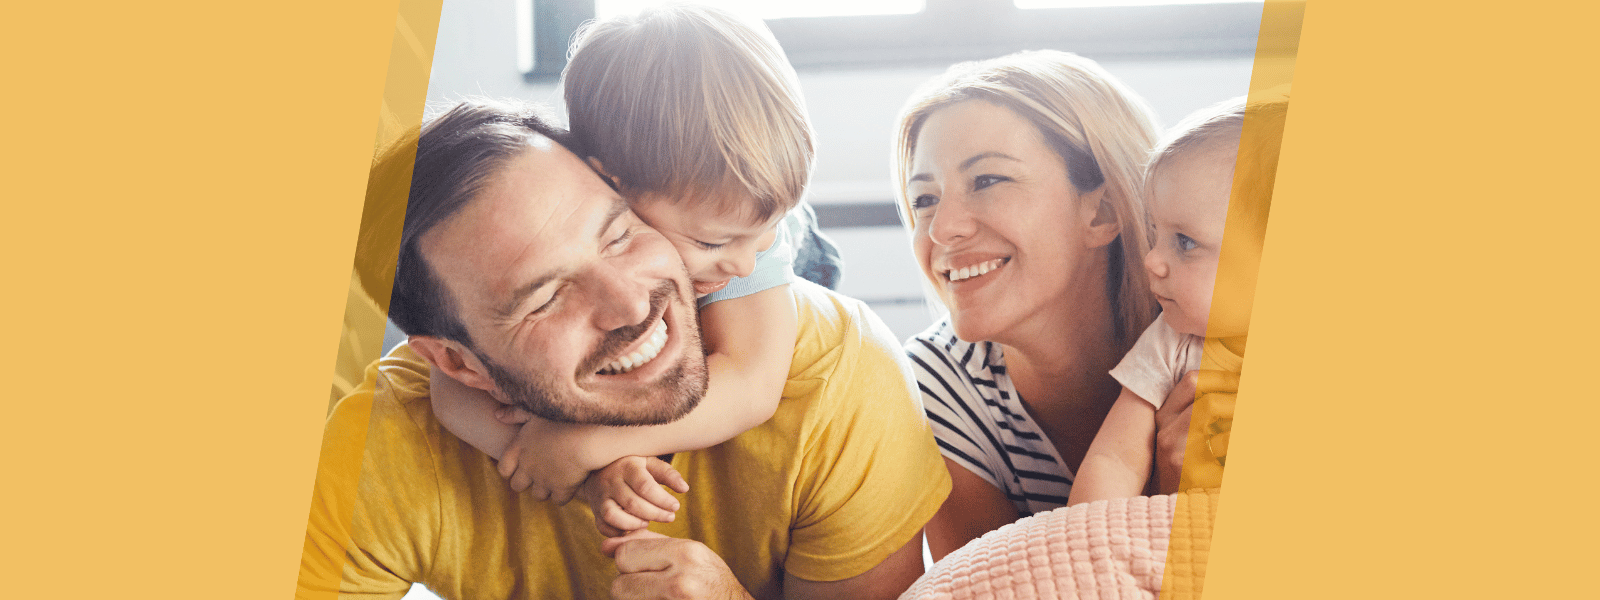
(676, 393)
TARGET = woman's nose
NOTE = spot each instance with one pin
(952, 221)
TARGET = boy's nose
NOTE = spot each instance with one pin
(741, 266)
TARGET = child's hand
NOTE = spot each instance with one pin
(627, 495)
(537, 461)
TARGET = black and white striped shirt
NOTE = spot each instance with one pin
(980, 422)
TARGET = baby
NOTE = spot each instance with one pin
(1213, 173)
(695, 117)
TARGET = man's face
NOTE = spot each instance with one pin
(578, 311)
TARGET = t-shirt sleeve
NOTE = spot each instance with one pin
(370, 519)
(1149, 369)
(873, 477)
(954, 411)
(774, 267)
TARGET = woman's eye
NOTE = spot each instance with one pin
(1186, 243)
(983, 181)
(924, 201)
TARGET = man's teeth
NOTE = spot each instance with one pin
(974, 270)
(651, 347)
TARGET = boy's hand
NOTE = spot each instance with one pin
(535, 462)
(626, 495)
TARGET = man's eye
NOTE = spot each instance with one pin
(983, 181)
(626, 235)
(1186, 243)
(548, 302)
(924, 201)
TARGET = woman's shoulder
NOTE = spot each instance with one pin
(950, 366)
(940, 341)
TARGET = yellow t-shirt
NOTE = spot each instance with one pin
(845, 473)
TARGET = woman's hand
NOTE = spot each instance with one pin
(1172, 422)
(1172, 433)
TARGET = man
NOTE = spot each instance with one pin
(519, 272)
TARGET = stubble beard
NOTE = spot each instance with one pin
(675, 394)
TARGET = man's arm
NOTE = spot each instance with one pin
(656, 567)
(360, 539)
(887, 580)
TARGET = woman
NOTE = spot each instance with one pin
(1020, 179)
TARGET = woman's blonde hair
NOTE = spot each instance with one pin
(1102, 131)
(1255, 129)
(691, 102)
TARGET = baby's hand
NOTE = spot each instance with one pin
(627, 495)
(536, 461)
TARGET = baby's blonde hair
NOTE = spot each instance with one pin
(1254, 129)
(1101, 129)
(691, 102)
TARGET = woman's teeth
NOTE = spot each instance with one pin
(651, 347)
(974, 270)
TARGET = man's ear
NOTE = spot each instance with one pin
(453, 359)
(1103, 225)
(594, 163)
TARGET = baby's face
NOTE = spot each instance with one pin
(716, 245)
(1188, 207)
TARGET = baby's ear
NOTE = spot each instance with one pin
(600, 169)
(1103, 225)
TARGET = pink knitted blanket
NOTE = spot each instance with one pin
(1099, 551)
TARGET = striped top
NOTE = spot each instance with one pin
(980, 422)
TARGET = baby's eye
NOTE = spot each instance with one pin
(707, 246)
(983, 181)
(924, 201)
(1186, 243)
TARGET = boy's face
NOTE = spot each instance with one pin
(1188, 208)
(716, 244)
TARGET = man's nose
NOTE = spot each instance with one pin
(620, 297)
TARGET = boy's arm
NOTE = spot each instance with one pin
(1118, 462)
(469, 413)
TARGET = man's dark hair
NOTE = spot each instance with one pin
(457, 154)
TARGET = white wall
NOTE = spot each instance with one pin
(854, 115)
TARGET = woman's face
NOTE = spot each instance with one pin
(1001, 233)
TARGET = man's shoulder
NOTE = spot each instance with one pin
(389, 407)
(845, 352)
(829, 316)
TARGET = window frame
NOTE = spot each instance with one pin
(970, 29)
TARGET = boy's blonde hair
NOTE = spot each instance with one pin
(691, 102)
(1101, 130)
(1254, 129)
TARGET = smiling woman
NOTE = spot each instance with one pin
(1020, 187)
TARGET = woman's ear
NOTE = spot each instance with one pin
(594, 163)
(453, 359)
(1103, 224)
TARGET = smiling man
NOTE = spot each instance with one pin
(522, 273)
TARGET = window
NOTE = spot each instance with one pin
(944, 31)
